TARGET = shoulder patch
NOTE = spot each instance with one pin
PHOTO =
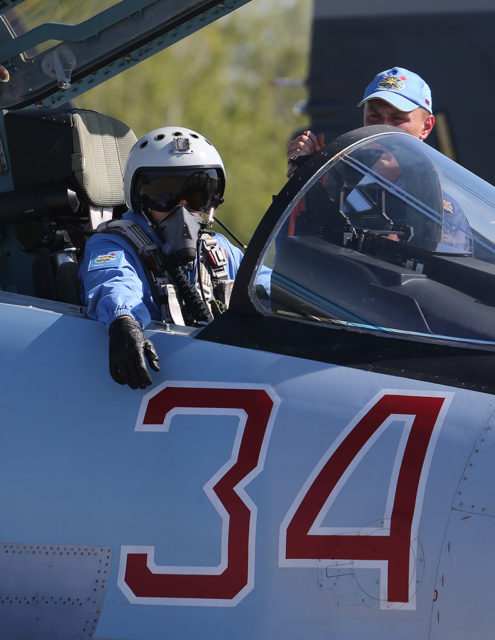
(105, 259)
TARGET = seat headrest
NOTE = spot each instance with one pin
(77, 148)
(101, 147)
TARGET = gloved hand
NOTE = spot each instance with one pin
(128, 348)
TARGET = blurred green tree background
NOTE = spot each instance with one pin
(222, 82)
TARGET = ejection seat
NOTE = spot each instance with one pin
(67, 168)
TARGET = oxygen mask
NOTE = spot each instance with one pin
(179, 231)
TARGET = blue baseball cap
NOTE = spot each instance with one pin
(401, 88)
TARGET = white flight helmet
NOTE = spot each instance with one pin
(169, 161)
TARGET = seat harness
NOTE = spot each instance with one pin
(180, 301)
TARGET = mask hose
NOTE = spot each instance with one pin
(194, 306)
(180, 232)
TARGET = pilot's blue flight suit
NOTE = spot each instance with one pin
(114, 282)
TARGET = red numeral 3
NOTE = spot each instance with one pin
(142, 580)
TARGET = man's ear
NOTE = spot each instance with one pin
(427, 126)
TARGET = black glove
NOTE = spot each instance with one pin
(128, 346)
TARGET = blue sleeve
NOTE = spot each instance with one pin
(235, 255)
(264, 278)
(113, 283)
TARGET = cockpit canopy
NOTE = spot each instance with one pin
(388, 235)
(51, 51)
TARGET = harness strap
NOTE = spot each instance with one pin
(152, 262)
(211, 269)
(132, 232)
(216, 258)
(174, 305)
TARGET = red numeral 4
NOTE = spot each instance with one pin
(305, 543)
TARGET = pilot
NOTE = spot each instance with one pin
(400, 98)
(160, 261)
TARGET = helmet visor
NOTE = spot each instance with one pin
(160, 189)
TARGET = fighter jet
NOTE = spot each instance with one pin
(315, 462)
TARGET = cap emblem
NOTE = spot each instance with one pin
(392, 82)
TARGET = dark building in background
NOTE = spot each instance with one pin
(450, 43)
